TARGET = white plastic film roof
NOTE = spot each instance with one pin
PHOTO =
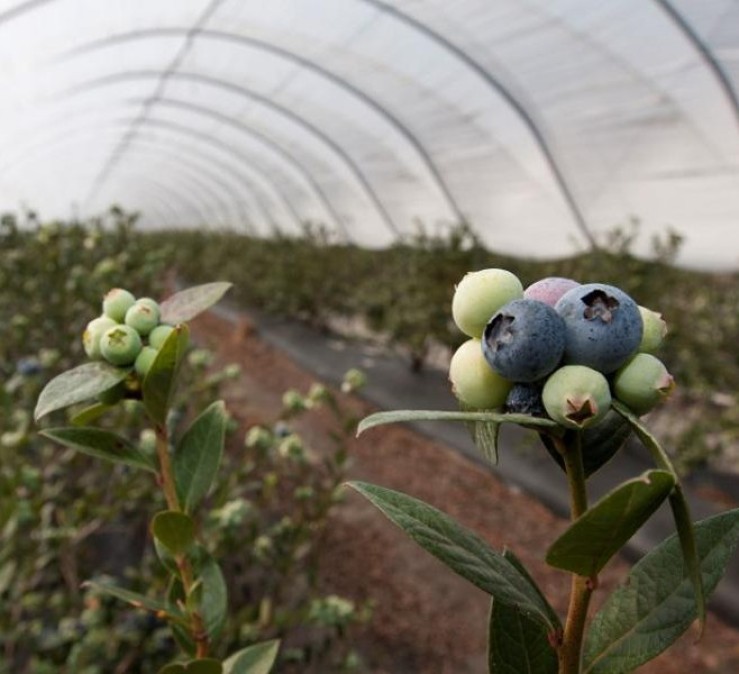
(542, 123)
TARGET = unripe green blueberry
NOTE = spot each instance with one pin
(159, 335)
(116, 303)
(655, 330)
(576, 396)
(144, 360)
(643, 383)
(479, 295)
(92, 334)
(120, 345)
(474, 382)
(149, 302)
(142, 317)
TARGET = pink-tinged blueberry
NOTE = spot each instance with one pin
(550, 289)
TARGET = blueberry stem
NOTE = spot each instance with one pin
(570, 652)
(167, 480)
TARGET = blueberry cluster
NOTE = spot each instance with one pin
(557, 348)
(128, 333)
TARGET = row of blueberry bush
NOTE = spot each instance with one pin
(403, 293)
(66, 518)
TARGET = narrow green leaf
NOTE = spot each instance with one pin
(77, 385)
(159, 383)
(256, 659)
(102, 445)
(199, 454)
(678, 504)
(186, 304)
(135, 599)
(656, 604)
(214, 600)
(398, 416)
(516, 644)
(461, 550)
(591, 540)
(174, 530)
(485, 436)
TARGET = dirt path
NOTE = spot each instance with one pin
(426, 619)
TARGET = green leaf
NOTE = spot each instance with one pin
(516, 644)
(201, 666)
(485, 436)
(135, 599)
(599, 443)
(185, 305)
(174, 530)
(601, 531)
(397, 416)
(86, 416)
(256, 659)
(678, 504)
(214, 599)
(656, 604)
(77, 385)
(102, 445)
(199, 454)
(159, 383)
(461, 550)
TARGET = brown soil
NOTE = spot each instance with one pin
(426, 619)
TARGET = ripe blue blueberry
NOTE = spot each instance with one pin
(116, 303)
(479, 295)
(526, 399)
(603, 326)
(473, 382)
(576, 396)
(550, 289)
(120, 345)
(524, 341)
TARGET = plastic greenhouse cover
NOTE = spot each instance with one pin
(542, 123)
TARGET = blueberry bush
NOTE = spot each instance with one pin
(67, 517)
(564, 360)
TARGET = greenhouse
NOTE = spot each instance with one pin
(373, 336)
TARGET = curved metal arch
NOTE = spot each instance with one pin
(197, 166)
(508, 97)
(705, 53)
(199, 186)
(182, 170)
(240, 90)
(244, 161)
(342, 83)
(195, 187)
(22, 8)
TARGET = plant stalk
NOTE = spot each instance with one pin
(166, 475)
(570, 651)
